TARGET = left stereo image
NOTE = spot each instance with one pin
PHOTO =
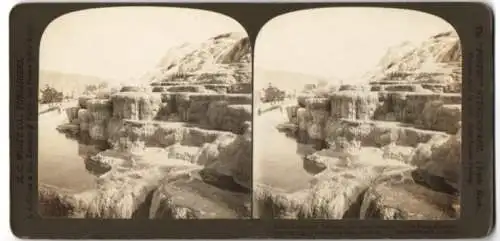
(145, 113)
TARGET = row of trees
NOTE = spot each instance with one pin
(91, 89)
(50, 94)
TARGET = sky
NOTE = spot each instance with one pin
(124, 42)
(339, 42)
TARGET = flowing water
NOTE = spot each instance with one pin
(278, 158)
(62, 160)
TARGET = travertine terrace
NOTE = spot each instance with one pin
(390, 149)
(178, 146)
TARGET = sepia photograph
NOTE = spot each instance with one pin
(145, 113)
(357, 115)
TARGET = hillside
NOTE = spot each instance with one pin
(439, 56)
(226, 54)
(225, 58)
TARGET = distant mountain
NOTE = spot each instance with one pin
(440, 55)
(69, 83)
(287, 80)
(226, 54)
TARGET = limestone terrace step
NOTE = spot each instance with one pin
(447, 98)
(381, 133)
(230, 98)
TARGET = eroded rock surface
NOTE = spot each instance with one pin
(404, 197)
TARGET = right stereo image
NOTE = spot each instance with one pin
(357, 115)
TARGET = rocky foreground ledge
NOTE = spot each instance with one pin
(380, 155)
